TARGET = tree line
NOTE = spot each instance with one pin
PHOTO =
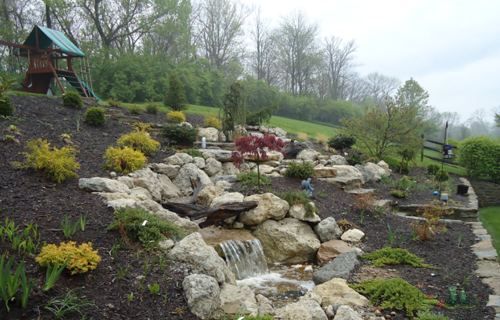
(135, 45)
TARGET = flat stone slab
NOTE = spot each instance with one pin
(494, 283)
(360, 191)
(493, 301)
(483, 244)
(474, 223)
(483, 236)
(487, 269)
(487, 255)
(480, 231)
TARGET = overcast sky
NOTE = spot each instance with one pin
(451, 47)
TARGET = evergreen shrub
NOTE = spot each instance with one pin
(399, 194)
(95, 116)
(130, 222)
(181, 134)
(355, 159)
(300, 197)
(135, 109)
(342, 142)
(72, 100)
(302, 170)
(152, 107)
(124, 160)
(56, 164)
(6, 108)
(442, 175)
(432, 169)
(390, 255)
(83, 258)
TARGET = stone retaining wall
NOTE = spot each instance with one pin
(488, 192)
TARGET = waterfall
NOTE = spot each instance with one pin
(245, 259)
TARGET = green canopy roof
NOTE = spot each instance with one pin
(48, 36)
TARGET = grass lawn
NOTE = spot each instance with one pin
(490, 217)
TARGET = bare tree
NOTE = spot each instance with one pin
(220, 31)
(339, 64)
(299, 53)
(263, 56)
(478, 122)
(379, 86)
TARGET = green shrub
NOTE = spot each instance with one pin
(479, 156)
(114, 102)
(130, 222)
(134, 109)
(95, 116)
(390, 255)
(83, 258)
(262, 116)
(181, 134)
(342, 142)
(72, 100)
(57, 165)
(176, 116)
(302, 170)
(355, 159)
(139, 140)
(406, 183)
(432, 169)
(124, 160)
(300, 197)
(399, 194)
(6, 108)
(442, 175)
(152, 107)
(395, 293)
(404, 167)
(175, 98)
(251, 177)
(194, 153)
(212, 121)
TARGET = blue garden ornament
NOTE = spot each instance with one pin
(306, 185)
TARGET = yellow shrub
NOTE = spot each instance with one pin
(124, 160)
(139, 126)
(139, 140)
(322, 139)
(57, 165)
(83, 258)
(176, 116)
(212, 121)
(303, 136)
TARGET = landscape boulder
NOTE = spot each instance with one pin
(235, 299)
(193, 250)
(270, 207)
(331, 249)
(352, 235)
(171, 171)
(212, 166)
(340, 267)
(102, 185)
(228, 168)
(328, 230)
(298, 211)
(199, 162)
(347, 313)
(202, 294)
(376, 170)
(227, 198)
(311, 303)
(287, 240)
(308, 154)
(338, 291)
(188, 172)
(179, 159)
(207, 194)
(324, 172)
(368, 176)
(169, 216)
(210, 133)
(385, 166)
(337, 160)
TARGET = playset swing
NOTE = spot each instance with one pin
(50, 55)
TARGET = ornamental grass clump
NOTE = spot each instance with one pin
(139, 140)
(145, 227)
(82, 259)
(390, 255)
(56, 164)
(124, 160)
(395, 293)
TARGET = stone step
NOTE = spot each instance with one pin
(493, 301)
(480, 231)
(361, 191)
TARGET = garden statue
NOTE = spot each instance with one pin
(306, 185)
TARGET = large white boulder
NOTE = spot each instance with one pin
(287, 240)
(375, 169)
(270, 207)
(352, 235)
(171, 171)
(235, 299)
(308, 154)
(210, 133)
(337, 291)
(193, 250)
(347, 313)
(202, 294)
(190, 171)
(169, 216)
(385, 166)
(212, 166)
(298, 211)
(328, 230)
(199, 162)
(159, 185)
(227, 198)
(102, 185)
(228, 168)
(337, 160)
(308, 307)
(179, 159)
(207, 194)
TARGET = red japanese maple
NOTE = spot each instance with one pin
(256, 147)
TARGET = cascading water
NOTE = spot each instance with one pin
(245, 259)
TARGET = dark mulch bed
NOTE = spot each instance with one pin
(442, 251)
(26, 197)
(419, 174)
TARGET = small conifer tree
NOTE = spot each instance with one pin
(175, 98)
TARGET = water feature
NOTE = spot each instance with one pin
(280, 282)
